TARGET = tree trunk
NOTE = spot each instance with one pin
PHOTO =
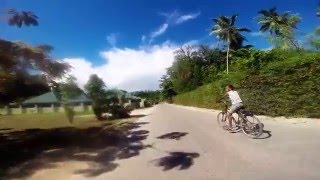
(228, 57)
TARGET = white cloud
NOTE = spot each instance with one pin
(192, 43)
(112, 39)
(129, 69)
(162, 29)
(187, 17)
(257, 34)
(143, 38)
(177, 18)
(172, 19)
(268, 48)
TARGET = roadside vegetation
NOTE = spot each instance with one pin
(280, 81)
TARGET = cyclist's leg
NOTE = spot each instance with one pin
(229, 117)
(234, 108)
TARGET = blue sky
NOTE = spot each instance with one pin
(87, 29)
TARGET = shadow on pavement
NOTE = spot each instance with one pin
(179, 160)
(22, 153)
(173, 135)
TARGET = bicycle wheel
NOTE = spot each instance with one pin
(221, 118)
(252, 127)
(223, 122)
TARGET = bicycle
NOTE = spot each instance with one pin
(247, 122)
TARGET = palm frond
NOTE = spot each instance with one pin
(233, 19)
(243, 30)
(264, 12)
(11, 11)
(273, 10)
(265, 27)
(25, 17)
(225, 20)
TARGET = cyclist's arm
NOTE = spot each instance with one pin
(224, 96)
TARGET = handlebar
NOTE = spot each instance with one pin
(221, 101)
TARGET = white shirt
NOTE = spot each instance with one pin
(234, 97)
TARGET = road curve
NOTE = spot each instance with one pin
(188, 144)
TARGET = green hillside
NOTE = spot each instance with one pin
(276, 83)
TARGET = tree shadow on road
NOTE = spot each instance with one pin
(22, 153)
(173, 135)
(179, 160)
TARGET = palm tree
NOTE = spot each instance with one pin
(280, 26)
(24, 17)
(226, 31)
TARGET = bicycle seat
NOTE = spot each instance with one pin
(241, 109)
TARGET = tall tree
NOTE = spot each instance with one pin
(69, 89)
(167, 89)
(280, 26)
(23, 60)
(96, 89)
(26, 18)
(226, 31)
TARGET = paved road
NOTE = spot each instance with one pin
(204, 151)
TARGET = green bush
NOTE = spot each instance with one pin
(98, 111)
(147, 103)
(119, 111)
(287, 85)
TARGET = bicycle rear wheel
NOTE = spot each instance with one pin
(252, 127)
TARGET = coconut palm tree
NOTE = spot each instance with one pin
(26, 18)
(226, 31)
(280, 26)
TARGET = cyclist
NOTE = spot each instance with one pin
(235, 101)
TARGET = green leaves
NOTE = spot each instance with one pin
(96, 89)
(70, 89)
(226, 31)
(280, 26)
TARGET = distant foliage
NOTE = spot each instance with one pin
(153, 97)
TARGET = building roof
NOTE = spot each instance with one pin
(47, 98)
(54, 98)
(80, 99)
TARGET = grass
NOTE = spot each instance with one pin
(51, 120)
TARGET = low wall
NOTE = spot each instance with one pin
(36, 109)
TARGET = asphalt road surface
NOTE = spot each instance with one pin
(185, 143)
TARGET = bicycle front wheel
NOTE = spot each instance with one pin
(252, 127)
